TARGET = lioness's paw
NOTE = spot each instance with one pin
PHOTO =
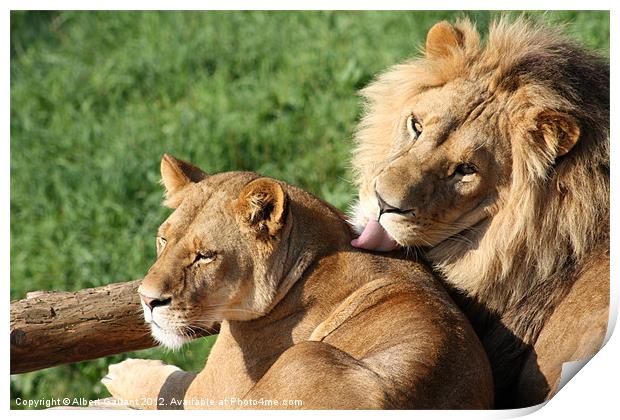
(137, 381)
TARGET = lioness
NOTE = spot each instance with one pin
(494, 159)
(306, 317)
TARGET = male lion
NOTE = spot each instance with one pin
(494, 160)
(305, 316)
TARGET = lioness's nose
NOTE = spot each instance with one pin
(153, 303)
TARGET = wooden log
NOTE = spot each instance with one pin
(54, 328)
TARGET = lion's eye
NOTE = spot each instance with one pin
(465, 169)
(414, 128)
(161, 243)
(204, 257)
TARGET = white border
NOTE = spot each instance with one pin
(593, 393)
(305, 5)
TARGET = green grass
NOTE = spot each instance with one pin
(97, 98)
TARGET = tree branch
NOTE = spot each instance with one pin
(54, 328)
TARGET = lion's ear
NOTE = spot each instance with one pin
(441, 39)
(175, 175)
(262, 207)
(559, 131)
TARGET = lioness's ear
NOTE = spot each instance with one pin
(175, 175)
(559, 131)
(262, 206)
(441, 39)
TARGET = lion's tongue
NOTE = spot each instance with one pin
(375, 238)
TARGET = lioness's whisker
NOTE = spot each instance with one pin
(205, 329)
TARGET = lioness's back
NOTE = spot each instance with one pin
(402, 324)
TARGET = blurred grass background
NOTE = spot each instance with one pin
(98, 97)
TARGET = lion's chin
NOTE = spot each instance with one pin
(410, 234)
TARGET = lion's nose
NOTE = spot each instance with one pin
(384, 207)
(153, 303)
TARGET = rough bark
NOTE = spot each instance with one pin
(53, 328)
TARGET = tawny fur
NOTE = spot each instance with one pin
(305, 316)
(541, 104)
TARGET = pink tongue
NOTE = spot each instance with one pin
(375, 238)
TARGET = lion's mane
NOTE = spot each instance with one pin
(556, 212)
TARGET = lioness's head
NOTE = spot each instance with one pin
(450, 138)
(230, 249)
(214, 251)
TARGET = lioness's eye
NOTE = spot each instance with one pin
(203, 257)
(414, 128)
(160, 244)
